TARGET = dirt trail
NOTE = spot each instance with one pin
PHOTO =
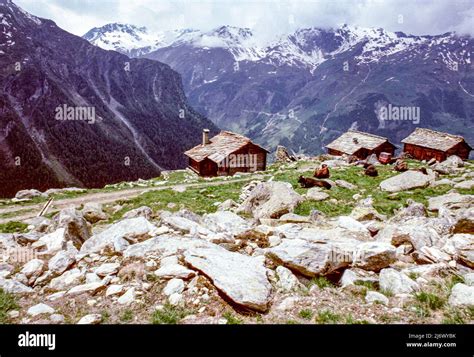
(100, 197)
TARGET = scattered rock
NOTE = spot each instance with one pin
(315, 194)
(14, 287)
(396, 282)
(356, 276)
(312, 258)
(374, 256)
(33, 268)
(170, 271)
(29, 194)
(40, 309)
(143, 211)
(93, 213)
(375, 297)
(175, 299)
(174, 286)
(91, 319)
(66, 280)
(461, 295)
(434, 203)
(345, 184)
(466, 185)
(287, 281)
(107, 269)
(225, 221)
(461, 246)
(61, 262)
(114, 289)
(91, 288)
(449, 166)
(128, 297)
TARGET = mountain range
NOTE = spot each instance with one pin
(141, 121)
(305, 88)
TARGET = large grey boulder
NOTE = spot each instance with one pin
(466, 185)
(67, 280)
(271, 200)
(14, 287)
(396, 282)
(29, 194)
(315, 194)
(418, 231)
(143, 211)
(53, 242)
(407, 180)
(115, 236)
(287, 281)
(355, 276)
(33, 268)
(61, 262)
(225, 222)
(374, 256)
(241, 278)
(435, 203)
(461, 246)
(449, 166)
(164, 246)
(184, 225)
(313, 258)
(93, 212)
(461, 295)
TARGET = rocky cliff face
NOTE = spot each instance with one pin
(75, 114)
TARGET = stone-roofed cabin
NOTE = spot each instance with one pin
(360, 144)
(425, 144)
(225, 154)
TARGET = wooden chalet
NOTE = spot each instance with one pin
(425, 144)
(225, 154)
(360, 144)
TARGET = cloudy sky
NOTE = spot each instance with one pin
(266, 16)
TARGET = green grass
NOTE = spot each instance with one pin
(306, 314)
(168, 315)
(350, 320)
(384, 202)
(199, 200)
(13, 227)
(322, 282)
(105, 316)
(369, 285)
(454, 317)
(126, 316)
(327, 317)
(433, 301)
(7, 303)
(231, 319)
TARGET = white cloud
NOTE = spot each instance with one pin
(268, 16)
